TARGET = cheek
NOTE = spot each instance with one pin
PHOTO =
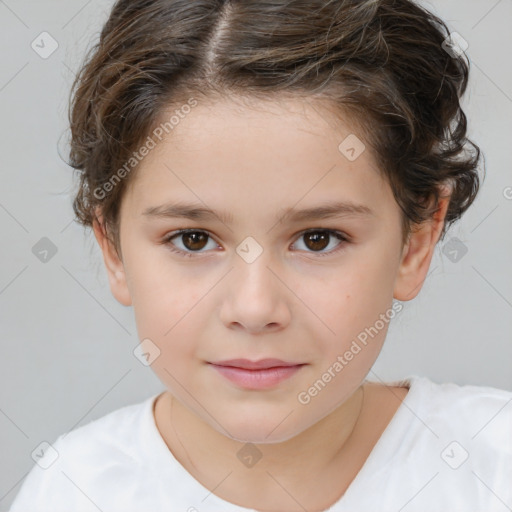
(161, 289)
(169, 314)
(169, 311)
(172, 321)
(354, 306)
(351, 297)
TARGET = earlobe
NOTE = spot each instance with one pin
(417, 254)
(113, 264)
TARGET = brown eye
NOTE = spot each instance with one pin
(187, 242)
(317, 240)
(195, 240)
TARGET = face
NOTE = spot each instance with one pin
(256, 281)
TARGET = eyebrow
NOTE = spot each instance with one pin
(198, 212)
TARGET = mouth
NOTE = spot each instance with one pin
(263, 374)
(262, 364)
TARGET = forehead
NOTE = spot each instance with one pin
(289, 150)
(291, 117)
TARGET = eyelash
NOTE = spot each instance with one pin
(340, 236)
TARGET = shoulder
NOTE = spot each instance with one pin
(83, 459)
(109, 436)
(444, 437)
(470, 405)
(463, 429)
(477, 413)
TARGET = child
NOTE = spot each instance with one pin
(264, 179)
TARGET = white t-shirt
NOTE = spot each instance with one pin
(448, 448)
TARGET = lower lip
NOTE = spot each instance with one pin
(257, 379)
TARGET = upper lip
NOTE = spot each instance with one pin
(254, 365)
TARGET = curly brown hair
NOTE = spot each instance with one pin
(383, 62)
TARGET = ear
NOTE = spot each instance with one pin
(417, 254)
(114, 265)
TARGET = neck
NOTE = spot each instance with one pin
(204, 451)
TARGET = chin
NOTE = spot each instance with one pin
(256, 436)
(257, 431)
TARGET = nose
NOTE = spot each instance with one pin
(255, 296)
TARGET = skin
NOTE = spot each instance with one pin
(290, 303)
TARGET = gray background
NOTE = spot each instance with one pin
(67, 344)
